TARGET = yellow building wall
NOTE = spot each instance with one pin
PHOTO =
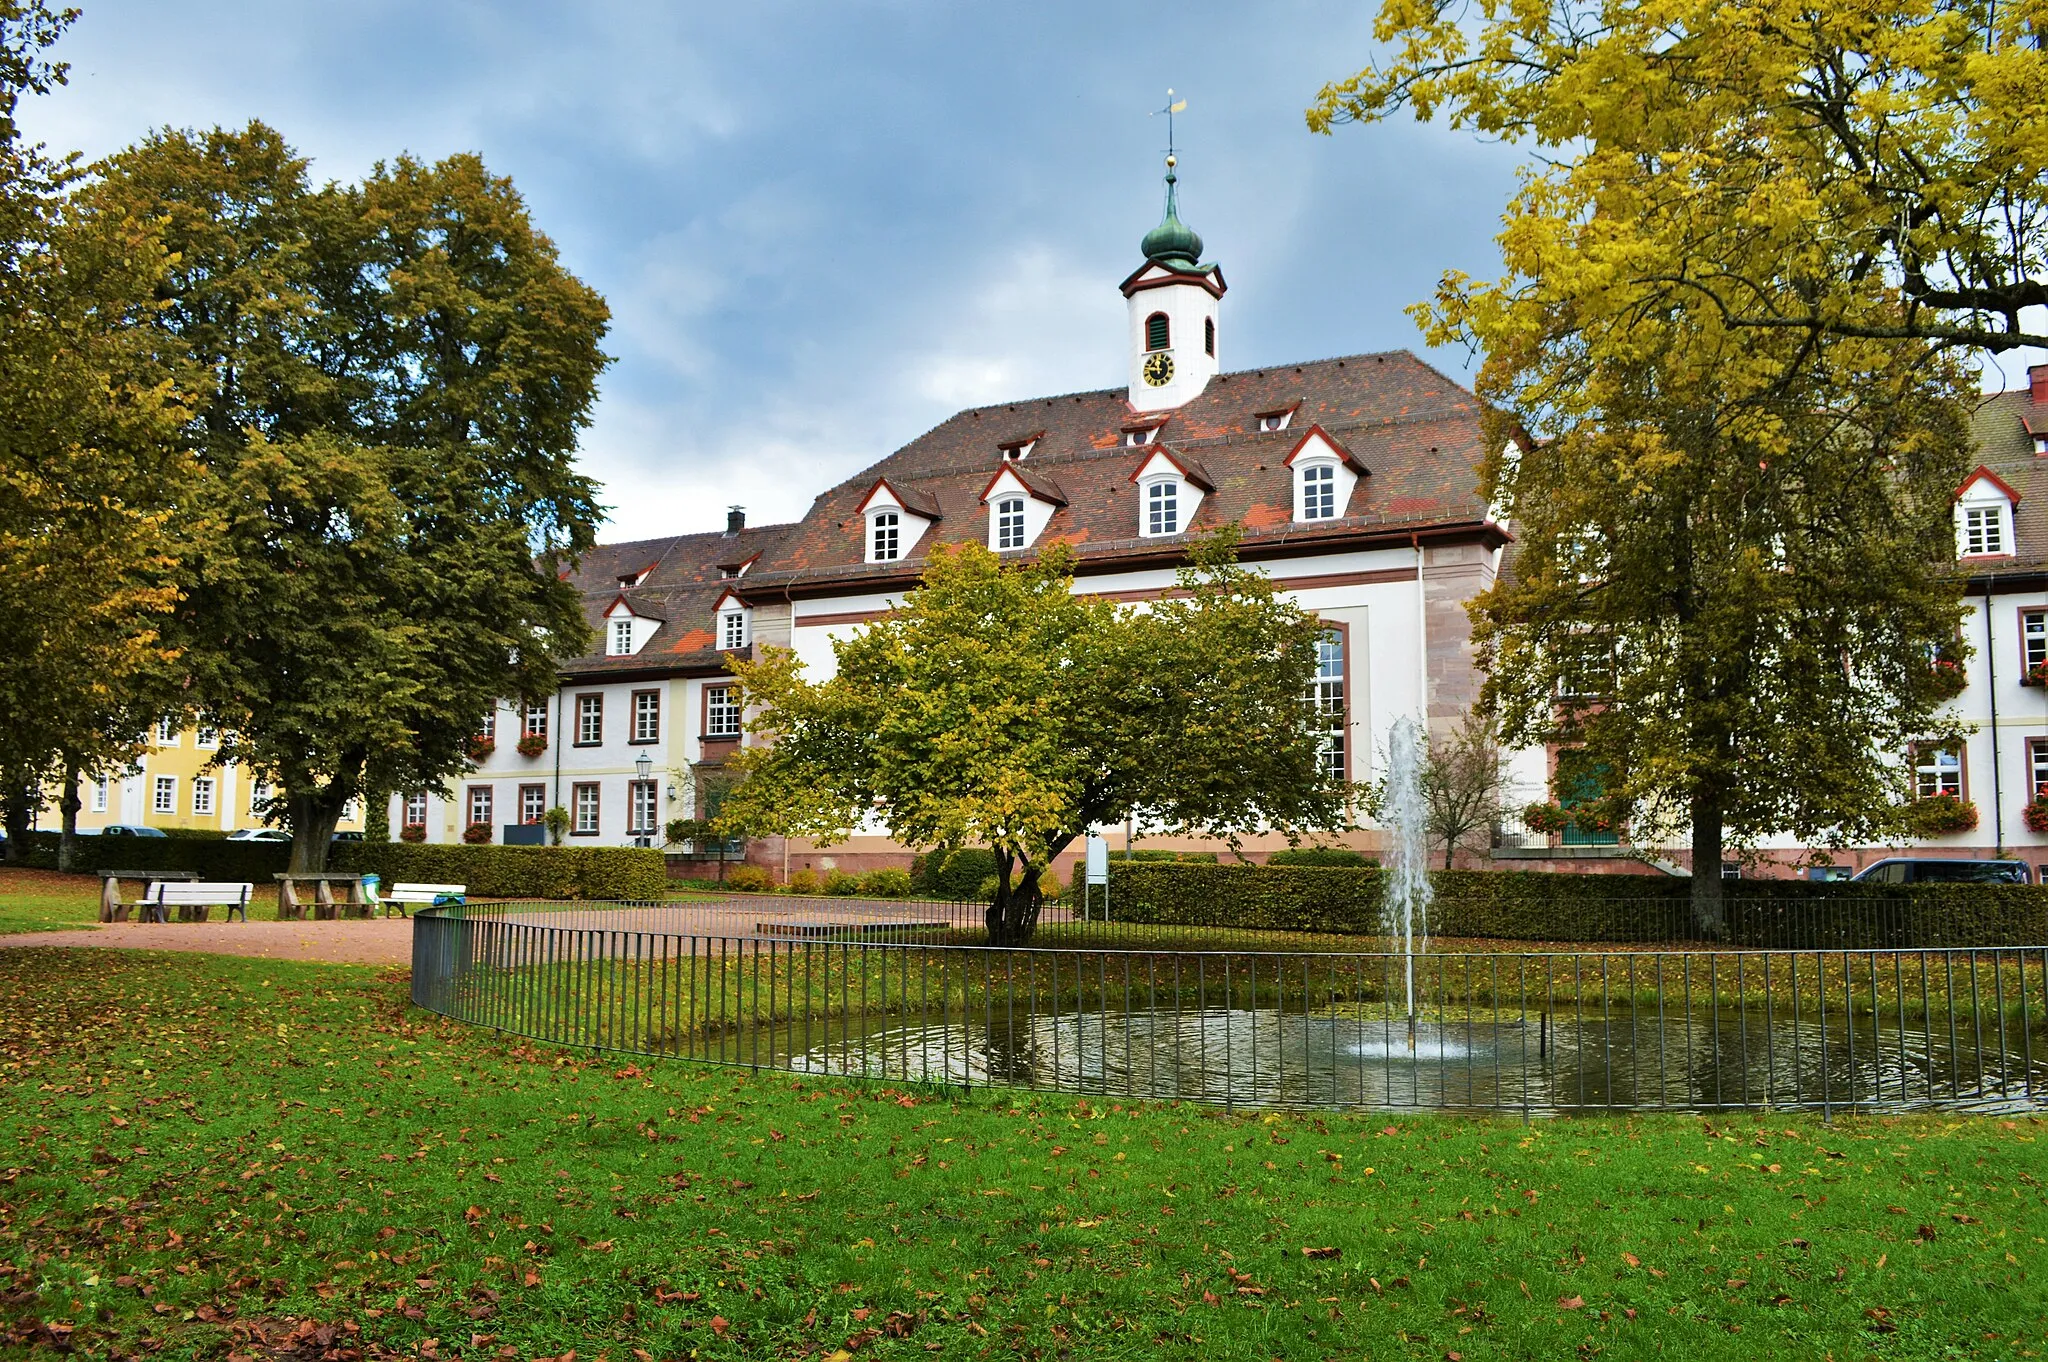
(185, 762)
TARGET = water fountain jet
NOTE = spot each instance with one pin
(1405, 910)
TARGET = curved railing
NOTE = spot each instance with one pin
(913, 994)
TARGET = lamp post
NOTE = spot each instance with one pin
(644, 767)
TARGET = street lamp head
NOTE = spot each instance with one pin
(645, 766)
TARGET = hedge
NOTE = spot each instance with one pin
(488, 871)
(1541, 906)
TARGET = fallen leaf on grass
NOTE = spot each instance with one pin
(1571, 1302)
(719, 1324)
(1631, 1260)
(1322, 1252)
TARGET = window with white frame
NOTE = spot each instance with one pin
(643, 806)
(2033, 639)
(259, 795)
(1330, 704)
(646, 716)
(100, 791)
(489, 727)
(589, 720)
(885, 537)
(206, 735)
(1162, 507)
(622, 636)
(480, 804)
(202, 796)
(416, 809)
(2037, 766)
(721, 712)
(1938, 770)
(1984, 530)
(1585, 665)
(1010, 523)
(533, 803)
(536, 721)
(584, 813)
(732, 629)
(166, 732)
(164, 797)
(1318, 491)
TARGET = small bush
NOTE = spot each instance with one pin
(749, 879)
(958, 874)
(1320, 856)
(1049, 887)
(804, 882)
(477, 834)
(842, 885)
(886, 884)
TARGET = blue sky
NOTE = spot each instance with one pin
(823, 227)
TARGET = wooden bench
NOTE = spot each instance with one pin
(112, 908)
(421, 895)
(291, 909)
(195, 901)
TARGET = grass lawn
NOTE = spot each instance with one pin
(211, 1157)
(45, 901)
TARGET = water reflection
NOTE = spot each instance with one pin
(1623, 1058)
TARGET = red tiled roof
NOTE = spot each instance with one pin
(683, 584)
(1417, 431)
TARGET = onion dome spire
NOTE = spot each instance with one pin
(1172, 243)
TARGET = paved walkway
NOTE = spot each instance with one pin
(375, 941)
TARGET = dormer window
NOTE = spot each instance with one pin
(732, 630)
(1162, 507)
(1319, 491)
(1016, 451)
(897, 518)
(1984, 516)
(1158, 332)
(885, 537)
(1983, 530)
(622, 637)
(1138, 436)
(1010, 523)
(2041, 443)
(1324, 473)
(625, 631)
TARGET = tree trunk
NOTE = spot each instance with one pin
(68, 803)
(313, 817)
(19, 812)
(1708, 906)
(1013, 916)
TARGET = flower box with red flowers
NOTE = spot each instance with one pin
(1940, 815)
(477, 834)
(480, 749)
(2036, 675)
(532, 745)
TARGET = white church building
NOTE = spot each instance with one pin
(1354, 482)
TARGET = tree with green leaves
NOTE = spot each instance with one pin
(388, 384)
(93, 481)
(1855, 168)
(1725, 361)
(996, 707)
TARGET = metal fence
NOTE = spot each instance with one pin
(1299, 1023)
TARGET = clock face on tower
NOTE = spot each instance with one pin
(1158, 369)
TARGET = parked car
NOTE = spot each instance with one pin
(130, 830)
(347, 837)
(259, 835)
(1936, 870)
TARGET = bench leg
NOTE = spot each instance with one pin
(234, 908)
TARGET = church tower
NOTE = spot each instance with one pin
(1173, 301)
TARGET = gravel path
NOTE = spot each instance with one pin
(376, 941)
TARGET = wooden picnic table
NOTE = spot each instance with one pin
(291, 908)
(112, 909)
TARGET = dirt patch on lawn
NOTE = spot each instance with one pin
(376, 941)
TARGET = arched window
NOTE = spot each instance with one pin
(1318, 491)
(1209, 336)
(1162, 507)
(1010, 523)
(887, 541)
(1158, 332)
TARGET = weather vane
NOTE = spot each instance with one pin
(1173, 106)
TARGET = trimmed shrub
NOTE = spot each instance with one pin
(958, 874)
(886, 884)
(842, 885)
(1538, 906)
(804, 882)
(749, 879)
(197, 834)
(1327, 856)
(511, 872)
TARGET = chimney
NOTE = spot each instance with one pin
(2037, 382)
(736, 516)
